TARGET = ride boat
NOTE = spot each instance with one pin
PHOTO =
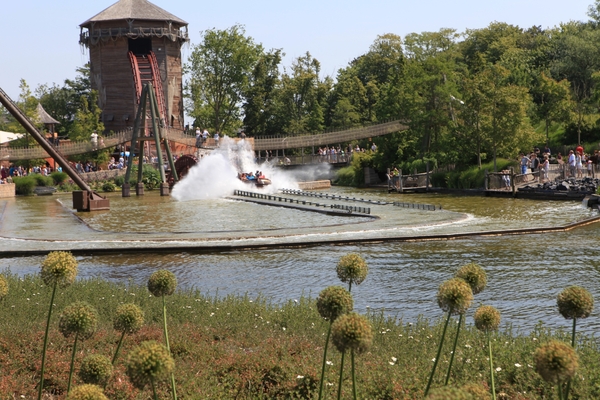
(257, 180)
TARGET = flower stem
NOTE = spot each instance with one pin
(453, 350)
(491, 366)
(560, 391)
(41, 385)
(568, 388)
(324, 362)
(168, 346)
(118, 348)
(437, 357)
(153, 389)
(72, 363)
(341, 376)
(353, 376)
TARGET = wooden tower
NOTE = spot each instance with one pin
(131, 43)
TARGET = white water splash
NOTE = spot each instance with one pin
(215, 176)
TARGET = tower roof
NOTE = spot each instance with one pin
(134, 9)
(44, 117)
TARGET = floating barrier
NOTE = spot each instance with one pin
(270, 197)
(417, 206)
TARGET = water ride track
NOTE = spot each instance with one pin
(233, 245)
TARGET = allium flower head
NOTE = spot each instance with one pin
(352, 268)
(556, 361)
(96, 369)
(3, 287)
(455, 296)
(334, 301)
(129, 318)
(351, 332)
(162, 283)
(449, 393)
(575, 302)
(87, 392)
(487, 318)
(79, 318)
(474, 275)
(150, 361)
(59, 267)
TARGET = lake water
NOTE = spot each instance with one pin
(525, 272)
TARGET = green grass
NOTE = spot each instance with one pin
(251, 348)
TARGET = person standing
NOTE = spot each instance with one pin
(94, 140)
(217, 139)
(572, 164)
(579, 165)
(545, 168)
(198, 138)
(534, 164)
(524, 163)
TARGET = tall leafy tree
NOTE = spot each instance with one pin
(303, 96)
(552, 101)
(219, 69)
(577, 57)
(262, 96)
(430, 81)
(504, 120)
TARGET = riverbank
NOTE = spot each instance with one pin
(249, 347)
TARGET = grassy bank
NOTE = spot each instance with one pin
(242, 348)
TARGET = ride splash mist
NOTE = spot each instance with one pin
(216, 175)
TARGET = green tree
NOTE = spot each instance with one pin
(504, 120)
(303, 95)
(552, 100)
(219, 69)
(430, 80)
(577, 57)
(64, 102)
(261, 96)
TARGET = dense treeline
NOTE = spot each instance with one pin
(468, 97)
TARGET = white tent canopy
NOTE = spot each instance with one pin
(8, 136)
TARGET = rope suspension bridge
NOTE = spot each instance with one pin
(68, 148)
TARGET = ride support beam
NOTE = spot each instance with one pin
(87, 199)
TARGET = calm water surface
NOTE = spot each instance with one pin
(525, 272)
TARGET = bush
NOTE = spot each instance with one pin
(119, 180)
(24, 185)
(42, 180)
(108, 186)
(59, 177)
(68, 187)
(354, 175)
(150, 177)
(474, 177)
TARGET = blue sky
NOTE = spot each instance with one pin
(39, 40)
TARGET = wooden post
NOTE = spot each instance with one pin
(486, 180)
(513, 186)
(427, 177)
(400, 187)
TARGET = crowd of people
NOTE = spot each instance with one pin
(577, 164)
